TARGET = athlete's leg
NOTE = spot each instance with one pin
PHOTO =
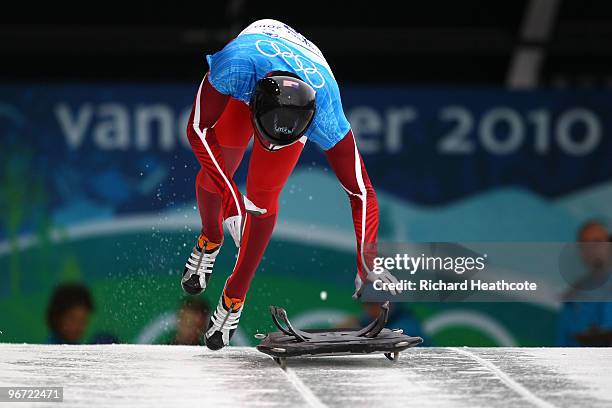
(268, 173)
(233, 132)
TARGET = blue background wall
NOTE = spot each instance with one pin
(97, 184)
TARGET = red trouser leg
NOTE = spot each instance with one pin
(233, 132)
(268, 173)
(210, 201)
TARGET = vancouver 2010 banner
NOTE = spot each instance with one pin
(97, 185)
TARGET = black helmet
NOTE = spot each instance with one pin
(282, 108)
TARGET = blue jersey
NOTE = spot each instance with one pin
(269, 45)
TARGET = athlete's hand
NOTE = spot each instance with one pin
(371, 277)
(235, 223)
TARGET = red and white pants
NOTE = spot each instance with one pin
(219, 131)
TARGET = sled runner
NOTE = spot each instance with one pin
(293, 342)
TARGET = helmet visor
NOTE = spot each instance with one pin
(283, 126)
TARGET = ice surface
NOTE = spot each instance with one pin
(176, 376)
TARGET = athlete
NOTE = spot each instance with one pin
(271, 82)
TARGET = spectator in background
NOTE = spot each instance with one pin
(68, 313)
(589, 323)
(191, 321)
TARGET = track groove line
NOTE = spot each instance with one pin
(506, 379)
(304, 391)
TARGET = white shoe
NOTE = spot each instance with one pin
(199, 266)
(223, 322)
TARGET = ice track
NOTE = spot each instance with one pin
(169, 376)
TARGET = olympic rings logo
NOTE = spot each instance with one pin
(297, 62)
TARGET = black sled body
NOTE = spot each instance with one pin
(374, 338)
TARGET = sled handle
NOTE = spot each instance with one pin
(273, 312)
(278, 313)
(376, 326)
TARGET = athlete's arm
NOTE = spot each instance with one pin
(345, 160)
